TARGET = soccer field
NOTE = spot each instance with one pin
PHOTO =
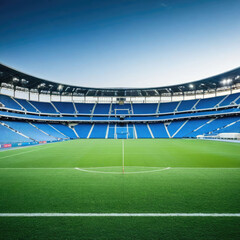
(169, 179)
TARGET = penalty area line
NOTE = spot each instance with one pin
(119, 214)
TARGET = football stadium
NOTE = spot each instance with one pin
(123, 162)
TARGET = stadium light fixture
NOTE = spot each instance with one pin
(15, 80)
(226, 81)
(24, 81)
(191, 86)
(237, 77)
(60, 87)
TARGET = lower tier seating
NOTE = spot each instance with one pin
(22, 131)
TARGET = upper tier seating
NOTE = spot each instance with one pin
(121, 109)
(134, 108)
(26, 105)
(102, 108)
(230, 99)
(9, 136)
(144, 108)
(209, 102)
(8, 102)
(186, 105)
(64, 107)
(85, 108)
(44, 107)
(167, 107)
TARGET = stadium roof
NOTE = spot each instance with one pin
(11, 78)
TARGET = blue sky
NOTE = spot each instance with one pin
(120, 43)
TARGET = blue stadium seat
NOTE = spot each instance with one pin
(111, 131)
(158, 130)
(99, 130)
(8, 136)
(174, 126)
(229, 99)
(50, 130)
(64, 107)
(83, 129)
(167, 107)
(186, 105)
(67, 131)
(8, 102)
(142, 130)
(102, 108)
(212, 126)
(144, 108)
(190, 126)
(26, 105)
(85, 108)
(29, 131)
(209, 102)
(44, 107)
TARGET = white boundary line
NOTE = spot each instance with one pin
(89, 168)
(148, 171)
(123, 155)
(8, 156)
(119, 214)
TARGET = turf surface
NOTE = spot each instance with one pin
(204, 178)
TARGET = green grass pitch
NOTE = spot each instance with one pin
(86, 176)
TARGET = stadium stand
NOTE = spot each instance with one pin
(27, 105)
(64, 107)
(8, 102)
(102, 108)
(9, 136)
(144, 108)
(29, 130)
(83, 130)
(175, 126)
(85, 108)
(50, 130)
(158, 130)
(142, 130)
(167, 107)
(65, 130)
(35, 121)
(208, 102)
(187, 105)
(99, 131)
(44, 107)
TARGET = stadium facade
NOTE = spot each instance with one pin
(34, 110)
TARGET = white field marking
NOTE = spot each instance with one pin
(87, 168)
(119, 214)
(123, 155)
(148, 171)
(24, 152)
